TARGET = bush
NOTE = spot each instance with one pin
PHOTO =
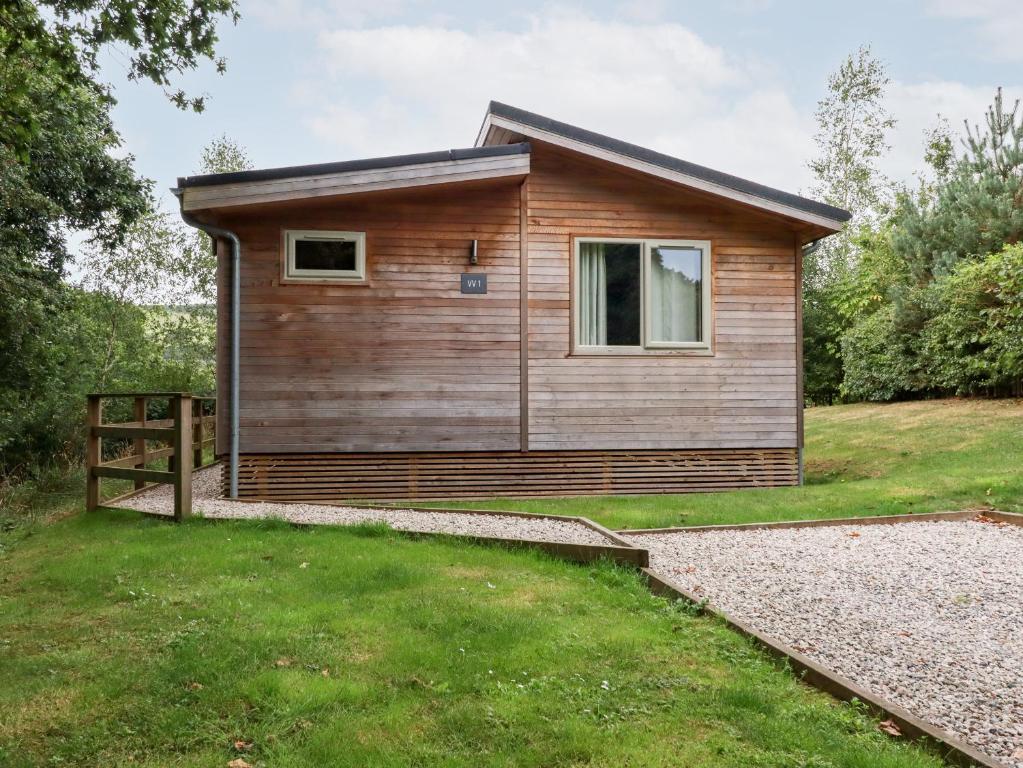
(878, 364)
(87, 342)
(974, 342)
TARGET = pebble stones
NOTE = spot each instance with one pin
(928, 615)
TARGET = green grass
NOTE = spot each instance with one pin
(130, 641)
(861, 460)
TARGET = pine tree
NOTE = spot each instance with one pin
(978, 209)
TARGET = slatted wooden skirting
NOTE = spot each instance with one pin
(473, 475)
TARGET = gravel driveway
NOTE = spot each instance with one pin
(928, 615)
(205, 500)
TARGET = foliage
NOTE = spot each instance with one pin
(822, 331)
(961, 334)
(852, 127)
(979, 206)
(140, 319)
(62, 171)
(974, 342)
(159, 262)
(100, 343)
(161, 38)
(69, 178)
(945, 276)
(878, 363)
(224, 155)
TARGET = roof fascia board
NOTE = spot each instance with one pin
(495, 121)
(353, 182)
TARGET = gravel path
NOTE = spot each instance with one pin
(205, 500)
(928, 615)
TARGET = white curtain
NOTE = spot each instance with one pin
(675, 301)
(592, 295)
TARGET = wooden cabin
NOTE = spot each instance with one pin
(549, 312)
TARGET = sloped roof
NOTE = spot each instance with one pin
(504, 122)
(275, 185)
(345, 166)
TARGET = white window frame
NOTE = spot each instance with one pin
(646, 345)
(291, 272)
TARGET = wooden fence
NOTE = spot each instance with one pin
(189, 428)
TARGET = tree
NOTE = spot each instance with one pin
(224, 155)
(162, 38)
(167, 268)
(852, 127)
(221, 155)
(978, 207)
(60, 171)
(948, 315)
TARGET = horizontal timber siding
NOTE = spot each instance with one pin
(426, 476)
(744, 395)
(404, 362)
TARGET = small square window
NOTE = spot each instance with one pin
(322, 255)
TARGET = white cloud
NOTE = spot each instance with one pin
(999, 23)
(658, 85)
(317, 13)
(393, 89)
(643, 10)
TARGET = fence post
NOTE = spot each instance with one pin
(93, 451)
(197, 433)
(140, 442)
(182, 414)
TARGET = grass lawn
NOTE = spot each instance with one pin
(863, 459)
(131, 641)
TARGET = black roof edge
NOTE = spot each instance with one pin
(319, 169)
(667, 161)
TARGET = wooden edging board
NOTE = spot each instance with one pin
(622, 551)
(579, 553)
(948, 746)
(618, 550)
(969, 514)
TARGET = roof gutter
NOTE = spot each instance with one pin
(236, 283)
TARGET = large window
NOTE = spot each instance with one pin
(634, 295)
(320, 255)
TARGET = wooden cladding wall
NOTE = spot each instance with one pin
(432, 476)
(404, 362)
(742, 396)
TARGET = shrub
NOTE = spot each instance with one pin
(878, 358)
(974, 342)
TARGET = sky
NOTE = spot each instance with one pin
(731, 84)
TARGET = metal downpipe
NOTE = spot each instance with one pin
(236, 284)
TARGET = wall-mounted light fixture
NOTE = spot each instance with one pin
(473, 254)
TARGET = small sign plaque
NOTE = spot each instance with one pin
(474, 282)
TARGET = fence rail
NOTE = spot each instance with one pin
(190, 428)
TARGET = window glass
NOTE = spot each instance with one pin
(331, 255)
(676, 294)
(609, 294)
